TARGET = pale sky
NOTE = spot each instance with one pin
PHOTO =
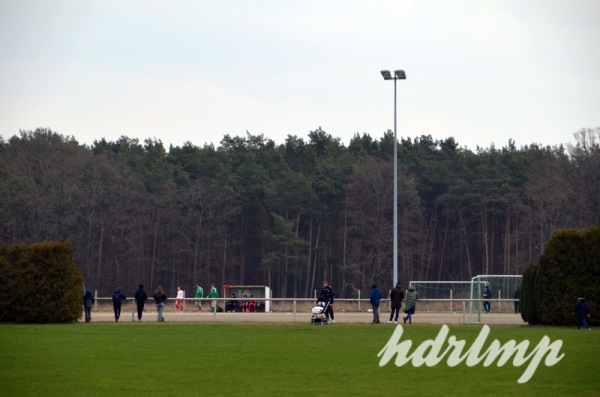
(482, 72)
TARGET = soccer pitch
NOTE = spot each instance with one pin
(256, 359)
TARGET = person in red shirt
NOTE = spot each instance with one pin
(179, 300)
(252, 304)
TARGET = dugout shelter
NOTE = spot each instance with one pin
(262, 295)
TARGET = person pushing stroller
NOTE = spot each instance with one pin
(326, 297)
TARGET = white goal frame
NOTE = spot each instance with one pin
(502, 290)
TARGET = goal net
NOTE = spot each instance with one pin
(493, 294)
(442, 290)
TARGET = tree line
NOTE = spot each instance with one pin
(252, 212)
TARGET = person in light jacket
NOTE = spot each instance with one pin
(411, 303)
(179, 299)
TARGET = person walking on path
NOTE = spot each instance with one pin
(517, 296)
(375, 302)
(160, 298)
(140, 300)
(199, 297)
(326, 296)
(117, 298)
(396, 297)
(179, 299)
(411, 303)
(582, 312)
(88, 303)
(213, 294)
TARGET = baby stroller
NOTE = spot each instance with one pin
(318, 314)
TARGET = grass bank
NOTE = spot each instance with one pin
(271, 359)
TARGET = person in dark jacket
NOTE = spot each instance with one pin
(582, 312)
(517, 297)
(487, 294)
(375, 299)
(396, 297)
(160, 298)
(117, 298)
(88, 303)
(326, 296)
(140, 299)
(232, 304)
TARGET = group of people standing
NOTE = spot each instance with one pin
(117, 299)
(326, 297)
(160, 299)
(396, 298)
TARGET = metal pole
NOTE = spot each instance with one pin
(499, 302)
(395, 192)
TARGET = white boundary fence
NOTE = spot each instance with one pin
(301, 306)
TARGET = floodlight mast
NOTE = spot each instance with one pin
(398, 75)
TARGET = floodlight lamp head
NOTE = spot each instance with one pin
(400, 74)
(386, 74)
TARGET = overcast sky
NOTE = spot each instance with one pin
(482, 72)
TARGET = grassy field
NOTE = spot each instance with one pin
(151, 359)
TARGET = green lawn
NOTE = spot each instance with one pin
(151, 359)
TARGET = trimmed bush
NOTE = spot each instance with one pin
(528, 295)
(568, 267)
(39, 283)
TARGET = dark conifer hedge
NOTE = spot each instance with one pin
(569, 267)
(528, 300)
(39, 283)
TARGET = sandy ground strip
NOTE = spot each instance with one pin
(304, 318)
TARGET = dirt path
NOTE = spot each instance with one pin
(340, 317)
